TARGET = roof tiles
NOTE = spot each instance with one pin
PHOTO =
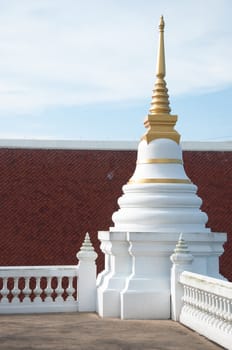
(49, 199)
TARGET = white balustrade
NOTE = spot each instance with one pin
(207, 307)
(43, 289)
(38, 289)
(202, 303)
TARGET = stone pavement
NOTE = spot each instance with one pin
(82, 331)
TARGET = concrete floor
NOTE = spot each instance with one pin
(82, 331)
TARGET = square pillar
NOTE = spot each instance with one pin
(113, 278)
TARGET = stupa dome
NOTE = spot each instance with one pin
(159, 196)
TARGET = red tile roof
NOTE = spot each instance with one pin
(212, 173)
(49, 199)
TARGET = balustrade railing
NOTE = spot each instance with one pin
(43, 289)
(38, 289)
(207, 307)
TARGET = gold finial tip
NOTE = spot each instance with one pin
(161, 24)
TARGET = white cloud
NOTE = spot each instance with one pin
(66, 52)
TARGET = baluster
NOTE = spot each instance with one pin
(198, 295)
(224, 314)
(4, 291)
(215, 310)
(15, 291)
(229, 316)
(70, 290)
(49, 290)
(229, 310)
(208, 302)
(204, 301)
(221, 309)
(211, 304)
(201, 300)
(217, 306)
(27, 290)
(207, 305)
(188, 295)
(220, 318)
(193, 300)
(203, 306)
(214, 306)
(184, 298)
(184, 293)
(188, 298)
(197, 303)
(192, 297)
(197, 298)
(37, 291)
(215, 315)
(59, 290)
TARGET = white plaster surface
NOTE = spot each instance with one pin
(173, 207)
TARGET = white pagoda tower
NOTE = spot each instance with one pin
(158, 204)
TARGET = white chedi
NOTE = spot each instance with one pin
(159, 196)
(158, 203)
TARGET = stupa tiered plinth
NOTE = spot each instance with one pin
(158, 204)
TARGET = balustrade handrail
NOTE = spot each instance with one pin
(208, 284)
(30, 289)
(39, 271)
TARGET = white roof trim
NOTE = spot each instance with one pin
(207, 146)
(107, 145)
(68, 144)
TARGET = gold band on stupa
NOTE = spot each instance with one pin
(160, 161)
(157, 181)
(159, 122)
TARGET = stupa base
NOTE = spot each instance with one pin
(108, 303)
(145, 305)
(111, 281)
(136, 284)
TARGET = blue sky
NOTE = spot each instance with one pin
(74, 69)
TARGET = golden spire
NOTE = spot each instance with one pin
(160, 122)
(160, 67)
(160, 102)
